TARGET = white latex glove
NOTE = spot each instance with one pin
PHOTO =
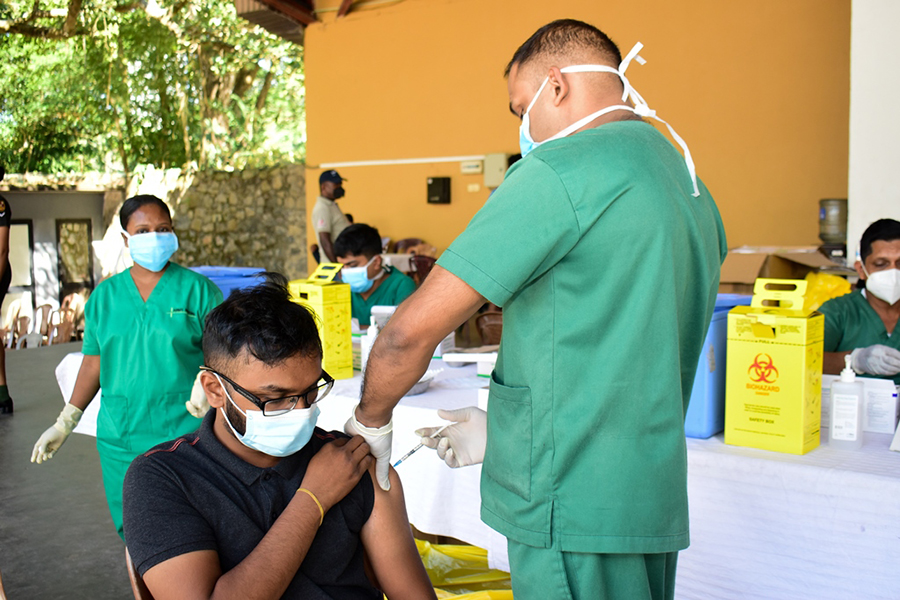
(876, 360)
(461, 444)
(379, 440)
(197, 405)
(53, 438)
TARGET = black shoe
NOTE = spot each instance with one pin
(6, 408)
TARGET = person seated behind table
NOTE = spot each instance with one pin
(259, 502)
(372, 283)
(863, 323)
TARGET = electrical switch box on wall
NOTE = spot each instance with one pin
(439, 190)
(494, 169)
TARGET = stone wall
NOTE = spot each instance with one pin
(253, 218)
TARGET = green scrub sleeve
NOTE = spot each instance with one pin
(504, 247)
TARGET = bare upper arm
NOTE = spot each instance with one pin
(184, 577)
(390, 547)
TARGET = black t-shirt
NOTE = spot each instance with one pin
(193, 494)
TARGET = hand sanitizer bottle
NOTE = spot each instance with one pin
(366, 343)
(847, 403)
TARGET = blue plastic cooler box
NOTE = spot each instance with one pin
(231, 278)
(706, 411)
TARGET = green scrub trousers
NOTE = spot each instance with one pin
(543, 573)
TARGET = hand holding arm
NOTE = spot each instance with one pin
(876, 360)
(463, 443)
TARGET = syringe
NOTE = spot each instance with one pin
(416, 449)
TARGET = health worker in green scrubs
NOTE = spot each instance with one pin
(863, 323)
(141, 347)
(358, 248)
(603, 249)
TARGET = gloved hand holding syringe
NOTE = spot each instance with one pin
(464, 441)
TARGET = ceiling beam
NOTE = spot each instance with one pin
(298, 10)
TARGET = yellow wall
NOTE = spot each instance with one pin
(759, 90)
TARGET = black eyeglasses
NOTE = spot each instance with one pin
(280, 406)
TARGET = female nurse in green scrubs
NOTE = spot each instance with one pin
(141, 347)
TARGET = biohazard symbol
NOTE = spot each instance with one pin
(762, 370)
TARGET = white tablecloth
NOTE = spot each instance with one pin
(764, 525)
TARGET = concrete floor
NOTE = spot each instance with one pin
(57, 539)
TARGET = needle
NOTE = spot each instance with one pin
(416, 449)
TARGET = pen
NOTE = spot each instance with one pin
(416, 449)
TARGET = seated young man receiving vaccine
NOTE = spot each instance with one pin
(259, 503)
(358, 248)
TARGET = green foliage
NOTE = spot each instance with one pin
(160, 84)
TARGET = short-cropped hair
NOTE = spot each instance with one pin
(360, 240)
(565, 38)
(886, 230)
(263, 321)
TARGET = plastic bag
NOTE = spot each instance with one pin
(822, 287)
(462, 572)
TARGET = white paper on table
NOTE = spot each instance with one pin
(895, 443)
(66, 374)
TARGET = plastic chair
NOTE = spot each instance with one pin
(138, 587)
(75, 303)
(490, 327)
(19, 331)
(421, 267)
(30, 340)
(42, 320)
(402, 246)
(7, 331)
(62, 326)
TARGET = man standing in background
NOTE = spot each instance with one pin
(328, 220)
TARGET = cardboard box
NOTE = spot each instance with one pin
(744, 265)
(774, 370)
(705, 415)
(331, 303)
(881, 411)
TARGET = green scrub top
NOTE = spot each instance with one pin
(395, 288)
(149, 356)
(851, 322)
(607, 271)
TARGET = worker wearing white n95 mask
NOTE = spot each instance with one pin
(863, 323)
(582, 447)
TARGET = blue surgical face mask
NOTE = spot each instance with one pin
(358, 277)
(278, 436)
(152, 250)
